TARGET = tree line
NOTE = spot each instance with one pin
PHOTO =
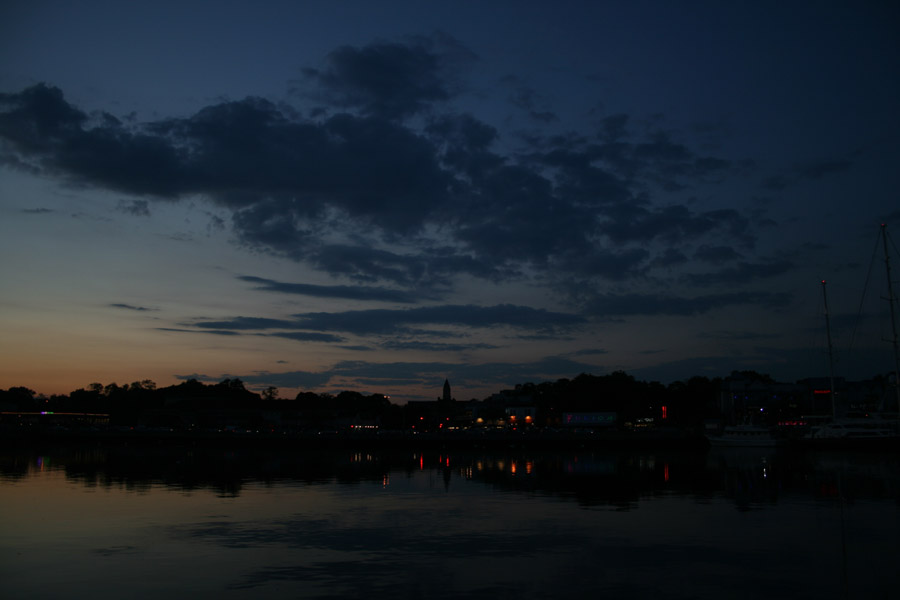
(685, 402)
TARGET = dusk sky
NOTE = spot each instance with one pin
(376, 196)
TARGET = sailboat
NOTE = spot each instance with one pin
(861, 431)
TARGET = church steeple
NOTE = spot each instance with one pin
(447, 396)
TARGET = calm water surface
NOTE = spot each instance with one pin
(150, 522)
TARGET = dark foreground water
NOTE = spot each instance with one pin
(152, 522)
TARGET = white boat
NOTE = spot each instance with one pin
(851, 429)
(855, 431)
(748, 436)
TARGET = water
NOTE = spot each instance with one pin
(151, 522)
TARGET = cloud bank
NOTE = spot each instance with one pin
(375, 179)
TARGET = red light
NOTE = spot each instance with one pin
(664, 412)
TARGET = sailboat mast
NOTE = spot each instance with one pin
(830, 354)
(891, 299)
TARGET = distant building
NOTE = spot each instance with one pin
(437, 414)
(745, 398)
(521, 414)
(590, 419)
(506, 408)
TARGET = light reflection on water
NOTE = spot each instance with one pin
(146, 521)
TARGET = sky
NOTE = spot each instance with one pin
(327, 196)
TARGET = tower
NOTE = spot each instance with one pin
(447, 396)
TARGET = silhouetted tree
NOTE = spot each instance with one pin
(753, 376)
(232, 384)
(22, 397)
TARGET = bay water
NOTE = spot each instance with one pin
(157, 521)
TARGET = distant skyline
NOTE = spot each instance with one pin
(378, 197)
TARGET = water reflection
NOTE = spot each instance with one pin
(242, 523)
(620, 480)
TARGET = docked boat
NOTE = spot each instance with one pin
(856, 432)
(853, 433)
(747, 436)
(851, 429)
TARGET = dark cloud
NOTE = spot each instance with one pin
(330, 291)
(131, 307)
(813, 169)
(307, 336)
(670, 257)
(38, 117)
(138, 208)
(614, 127)
(223, 332)
(367, 264)
(673, 224)
(527, 99)
(391, 80)
(385, 321)
(822, 168)
(49, 132)
(776, 183)
(247, 324)
(285, 179)
(434, 346)
(37, 211)
(320, 327)
(670, 164)
(360, 193)
(463, 133)
(716, 254)
(668, 304)
(245, 155)
(661, 149)
(589, 352)
(739, 336)
(18, 164)
(741, 273)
